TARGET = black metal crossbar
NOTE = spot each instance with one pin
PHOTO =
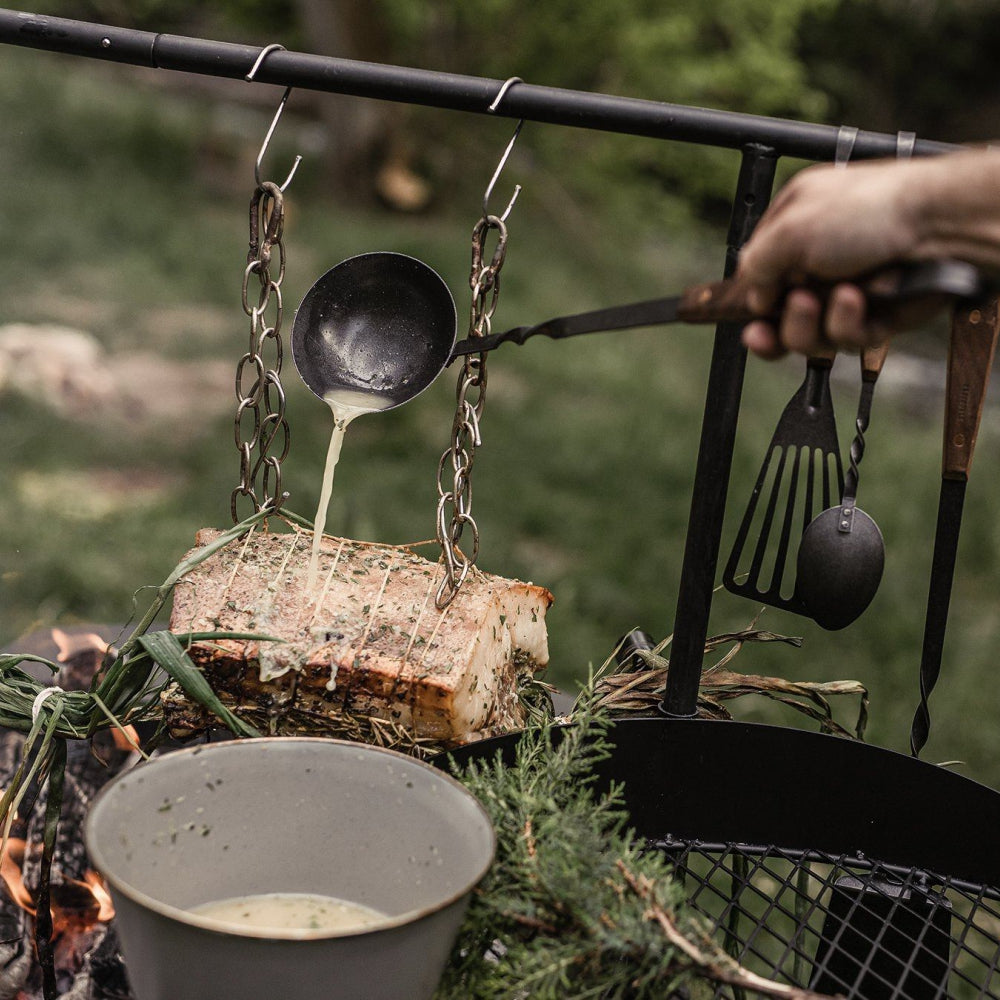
(551, 105)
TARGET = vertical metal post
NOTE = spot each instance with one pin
(715, 455)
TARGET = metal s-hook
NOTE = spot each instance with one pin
(506, 153)
(507, 84)
(264, 53)
(496, 176)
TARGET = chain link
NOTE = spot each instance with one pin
(260, 427)
(454, 511)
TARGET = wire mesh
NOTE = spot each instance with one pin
(843, 924)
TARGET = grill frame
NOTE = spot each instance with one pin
(761, 822)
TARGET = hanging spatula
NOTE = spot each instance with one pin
(802, 474)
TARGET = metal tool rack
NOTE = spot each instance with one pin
(887, 899)
(760, 141)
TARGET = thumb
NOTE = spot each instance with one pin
(761, 274)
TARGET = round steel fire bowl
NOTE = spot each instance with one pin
(287, 816)
(821, 862)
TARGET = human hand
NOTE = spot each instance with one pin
(808, 325)
(831, 225)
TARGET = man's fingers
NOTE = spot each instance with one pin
(808, 325)
(800, 322)
(846, 317)
(761, 338)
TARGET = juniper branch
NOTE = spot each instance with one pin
(713, 963)
(574, 907)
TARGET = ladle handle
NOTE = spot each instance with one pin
(907, 288)
(872, 361)
(903, 290)
(970, 361)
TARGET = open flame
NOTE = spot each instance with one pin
(98, 887)
(77, 905)
(90, 644)
(11, 863)
(81, 909)
(75, 901)
(72, 645)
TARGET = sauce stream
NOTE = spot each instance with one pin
(346, 405)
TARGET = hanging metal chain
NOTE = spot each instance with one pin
(454, 511)
(261, 430)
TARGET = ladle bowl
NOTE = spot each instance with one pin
(839, 571)
(379, 323)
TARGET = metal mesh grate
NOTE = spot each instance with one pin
(844, 924)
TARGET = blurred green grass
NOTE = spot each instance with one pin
(116, 221)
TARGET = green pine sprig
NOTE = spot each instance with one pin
(574, 906)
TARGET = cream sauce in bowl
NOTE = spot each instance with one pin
(287, 914)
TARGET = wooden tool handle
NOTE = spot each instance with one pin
(872, 360)
(916, 287)
(970, 359)
(715, 302)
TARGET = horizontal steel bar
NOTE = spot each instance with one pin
(579, 109)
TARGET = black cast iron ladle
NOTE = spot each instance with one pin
(384, 324)
(842, 553)
(380, 324)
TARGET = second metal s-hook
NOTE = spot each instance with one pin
(506, 154)
(274, 121)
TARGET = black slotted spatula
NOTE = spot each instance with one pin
(802, 471)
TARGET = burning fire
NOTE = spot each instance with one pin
(11, 864)
(81, 909)
(74, 901)
(76, 904)
(97, 885)
(72, 645)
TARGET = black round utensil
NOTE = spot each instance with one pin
(839, 569)
(842, 553)
(379, 323)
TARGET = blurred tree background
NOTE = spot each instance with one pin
(920, 65)
(126, 219)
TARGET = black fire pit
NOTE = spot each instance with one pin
(821, 862)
